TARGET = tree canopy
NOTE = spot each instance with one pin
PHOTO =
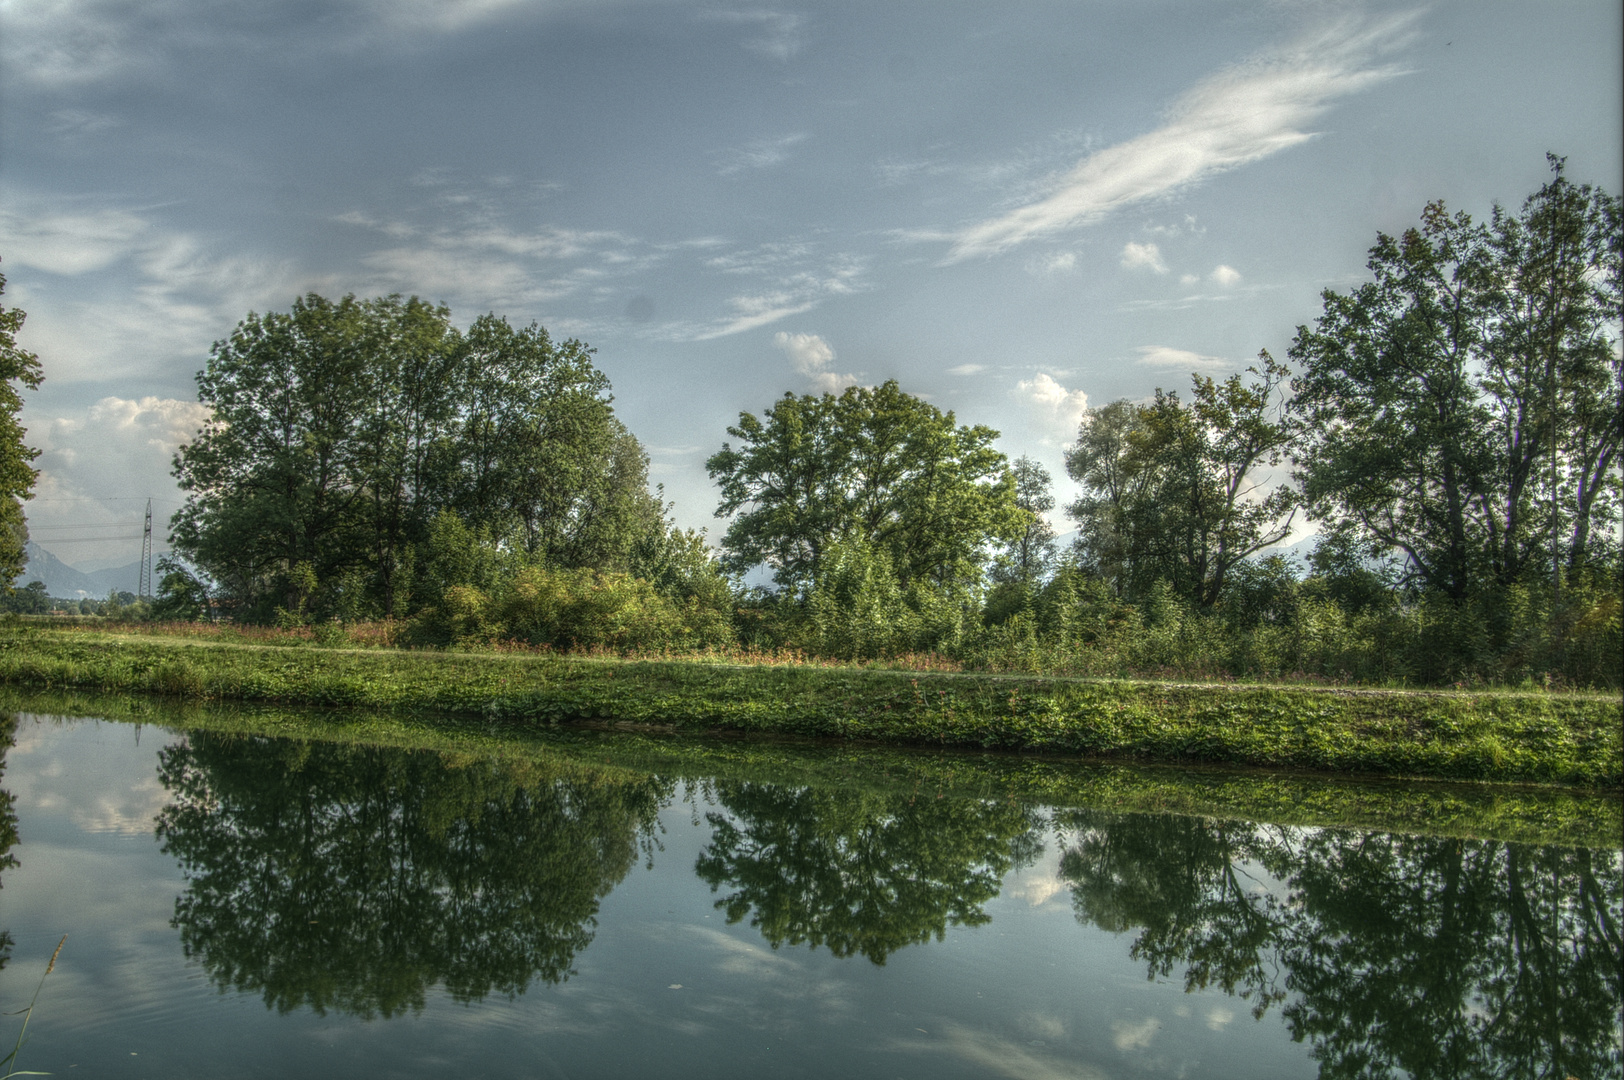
(341, 429)
(875, 463)
(1171, 490)
(19, 369)
(1465, 406)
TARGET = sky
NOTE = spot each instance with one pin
(1017, 211)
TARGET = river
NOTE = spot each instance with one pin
(247, 904)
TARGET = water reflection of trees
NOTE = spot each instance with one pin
(355, 878)
(8, 821)
(860, 872)
(1391, 955)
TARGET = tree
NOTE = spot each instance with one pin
(1099, 461)
(339, 431)
(1172, 491)
(875, 462)
(19, 369)
(1464, 405)
(1029, 556)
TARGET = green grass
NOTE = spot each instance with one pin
(1531, 813)
(1497, 735)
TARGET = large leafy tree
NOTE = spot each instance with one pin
(1172, 491)
(341, 429)
(1464, 406)
(876, 463)
(19, 369)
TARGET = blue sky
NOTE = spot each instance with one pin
(1016, 211)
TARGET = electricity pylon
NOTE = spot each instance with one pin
(146, 556)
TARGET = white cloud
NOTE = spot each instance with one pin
(1143, 257)
(62, 239)
(1226, 276)
(1133, 1036)
(97, 465)
(1060, 409)
(1000, 1057)
(787, 292)
(760, 154)
(1189, 279)
(813, 359)
(1060, 262)
(1164, 356)
(1237, 116)
(967, 369)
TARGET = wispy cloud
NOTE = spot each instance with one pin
(1239, 115)
(776, 34)
(1143, 257)
(813, 358)
(1226, 276)
(1056, 262)
(760, 154)
(787, 289)
(1164, 356)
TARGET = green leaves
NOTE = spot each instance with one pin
(1170, 487)
(875, 462)
(1462, 406)
(341, 430)
(18, 368)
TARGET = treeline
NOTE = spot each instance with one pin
(32, 599)
(1452, 426)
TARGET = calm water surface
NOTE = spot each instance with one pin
(257, 907)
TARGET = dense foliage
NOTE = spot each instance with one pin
(19, 369)
(876, 466)
(1464, 407)
(341, 430)
(1452, 426)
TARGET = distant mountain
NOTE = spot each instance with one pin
(72, 583)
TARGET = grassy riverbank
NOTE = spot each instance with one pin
(1538, 813)
(1499, 736)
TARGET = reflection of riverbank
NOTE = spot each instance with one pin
(1523, 813)
(666, 924)
(1502, 735)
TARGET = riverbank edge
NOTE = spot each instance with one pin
(1504, 737)
(1523, 813)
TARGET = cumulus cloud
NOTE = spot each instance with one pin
(1225, 276)
(1239, 115)
(1143, 257)
(1059, 409)
(98, 465)
(813, 358)
(1164, 356)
